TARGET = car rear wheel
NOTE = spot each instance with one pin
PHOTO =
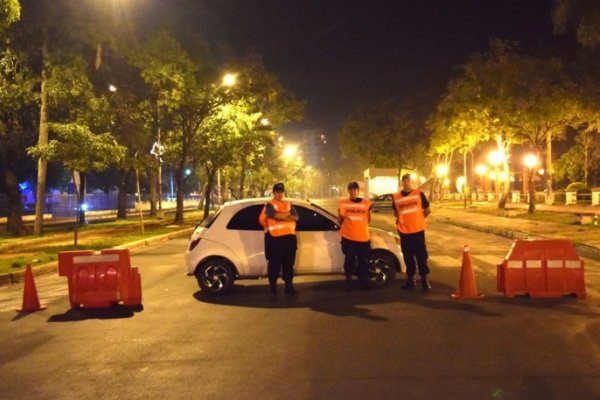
(215, 276)
(382, 268)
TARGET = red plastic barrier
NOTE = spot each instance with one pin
(100, 279)
(541, 268)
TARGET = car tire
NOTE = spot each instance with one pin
(382, 268)
(215, 276)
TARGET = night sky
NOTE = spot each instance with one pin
(339, 55)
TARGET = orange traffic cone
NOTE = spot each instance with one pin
(31, 302)
(467, 288)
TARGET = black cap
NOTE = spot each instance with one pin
(353, 185)
(278, 187)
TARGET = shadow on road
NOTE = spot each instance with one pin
(82, 314)
(334, 298)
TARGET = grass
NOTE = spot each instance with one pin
(17, 252)
(538, 215)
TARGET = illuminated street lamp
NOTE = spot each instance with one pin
(531, 161)
(290, 151)
(442, 170)
(229, 79)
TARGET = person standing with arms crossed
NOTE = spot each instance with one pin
(354, 215)
(411, 207)
(278, 218)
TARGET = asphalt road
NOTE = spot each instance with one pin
(328, 343)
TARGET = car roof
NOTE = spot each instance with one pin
(263, 200)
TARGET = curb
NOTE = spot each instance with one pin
(584, 250)
(135, 247)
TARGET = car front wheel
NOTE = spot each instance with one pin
(215, 276)
(382, 268)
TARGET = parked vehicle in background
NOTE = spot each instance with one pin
(229, 245)
(382, 203)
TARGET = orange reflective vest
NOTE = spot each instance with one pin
(409, 210)
(355, 225)
(274, 226)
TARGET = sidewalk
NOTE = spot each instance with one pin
(585, 237)
(133, 247)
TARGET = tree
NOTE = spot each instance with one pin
(10, 12)
(265, 97)
(16, 98)
(78, 149)
(376, 135)
(513, 98)
(181, 98)
(581, 16)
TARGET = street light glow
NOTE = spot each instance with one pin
(290, 150)
(481, 169)
(530, 160)
(495, 157)
(229, 79)
(442, 170)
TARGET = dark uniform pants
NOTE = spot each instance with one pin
(356, 258)
(280, 252)
(414, 248)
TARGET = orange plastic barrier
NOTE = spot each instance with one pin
(541, 268)
(100, 279)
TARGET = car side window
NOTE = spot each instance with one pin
(246, 219)
(311, 220)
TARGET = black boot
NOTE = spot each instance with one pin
(348, 280)
(366, 284)
(410, 283)
(425, 283)
(289, 289)
(272, 290)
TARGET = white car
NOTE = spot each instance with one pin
(229, 245)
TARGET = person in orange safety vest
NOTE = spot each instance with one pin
(278, 218)
(354, 215)
(411, 207)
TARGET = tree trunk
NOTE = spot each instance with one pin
(14, 212)
(465, 188)
(241, 193)
(14, 215)
(42, 141)
(180, 192)
(81, 198)
(208, 190)
(122, 195)
(549, 168)
(586, 166)
(531, 208)
(152, 192)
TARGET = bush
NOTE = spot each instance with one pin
(578, 187)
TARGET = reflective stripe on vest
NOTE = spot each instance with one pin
(274, 226)
(409, 209)
(355, 225)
